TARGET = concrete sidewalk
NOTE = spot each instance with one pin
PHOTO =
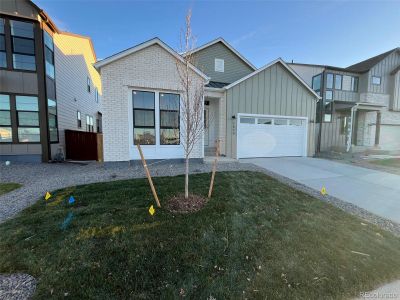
(375, 191)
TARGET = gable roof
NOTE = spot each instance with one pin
(154, 41)
(366, 65)
(278, 60)
(81, 37)
(226, 44)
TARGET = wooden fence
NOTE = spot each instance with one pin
(82, 145)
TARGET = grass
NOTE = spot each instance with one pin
(8, 187)
(256, 238)
(389, 162)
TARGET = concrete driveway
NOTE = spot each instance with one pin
(375, 191)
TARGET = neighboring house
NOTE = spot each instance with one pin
(255, 113)
(45, 76)
(361, 103)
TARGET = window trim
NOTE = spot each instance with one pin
(222, 62)
(169, 110)
(372, 80)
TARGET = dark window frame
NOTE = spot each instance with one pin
(145, 109)
(52, 55)
(26, 126)
(19, 53)
(333, 81)
(372, 80)
(48, 121)
(171, 110)
(88, 84)
(5, 42)
(341, 82)
(79, 119)
(8, 126)
(318, 91)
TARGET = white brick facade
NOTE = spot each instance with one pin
(152, 68)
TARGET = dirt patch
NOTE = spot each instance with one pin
(178, 204)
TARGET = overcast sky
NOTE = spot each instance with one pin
(337, 33)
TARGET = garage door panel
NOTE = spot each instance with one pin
(269, 140)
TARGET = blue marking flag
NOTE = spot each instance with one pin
(71, 200)
(67, 221)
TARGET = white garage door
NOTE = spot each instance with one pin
(271, 136)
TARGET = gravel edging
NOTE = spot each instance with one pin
(17, 286)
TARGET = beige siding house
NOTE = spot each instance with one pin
(360, 109)
(78, 86)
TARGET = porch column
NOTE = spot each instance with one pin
(222, 123)
(378, 127)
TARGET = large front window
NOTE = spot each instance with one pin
(5, 119)
(28, 119)
(169, 119)
(23, 45)
(144, 132)
(316, 84)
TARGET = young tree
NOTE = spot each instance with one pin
(192, 102)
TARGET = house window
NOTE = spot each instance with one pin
(89, 124)
(376, 80)
(28, 119)
(350, 83)
(169, 119)
(327, 118)
(96, 95)
(3, 56)
(78, 118)
(280, 121)
(49, 53)
(344, 123)
(23, 45)
(219, 65)
(5, 119)
(338, 82)
(88, 84)
(329, 81)
(247, 120)
(316, 84)
(328, 95)
(53, 128)
(144, 132)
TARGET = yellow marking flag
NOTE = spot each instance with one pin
(323, 191)
(47, 196)
(152, 210)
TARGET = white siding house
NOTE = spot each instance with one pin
(149, 67)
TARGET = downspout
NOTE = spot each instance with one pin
(352, 118)
(321, 104)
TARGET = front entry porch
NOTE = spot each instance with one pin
(214, 127)
(355, 127)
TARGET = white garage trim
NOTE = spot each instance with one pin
(273, 117)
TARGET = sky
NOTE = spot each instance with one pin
(337, 33)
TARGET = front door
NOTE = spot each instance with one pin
(206, 126)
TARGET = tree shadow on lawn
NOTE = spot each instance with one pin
(255, 238)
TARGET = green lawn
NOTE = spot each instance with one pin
(256, 238)
(8, 187)
(389, 162)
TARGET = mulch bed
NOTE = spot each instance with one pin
(178, 204)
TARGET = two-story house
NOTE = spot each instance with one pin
(47, 84)
(360, 109)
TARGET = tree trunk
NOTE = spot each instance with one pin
(187, 177)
